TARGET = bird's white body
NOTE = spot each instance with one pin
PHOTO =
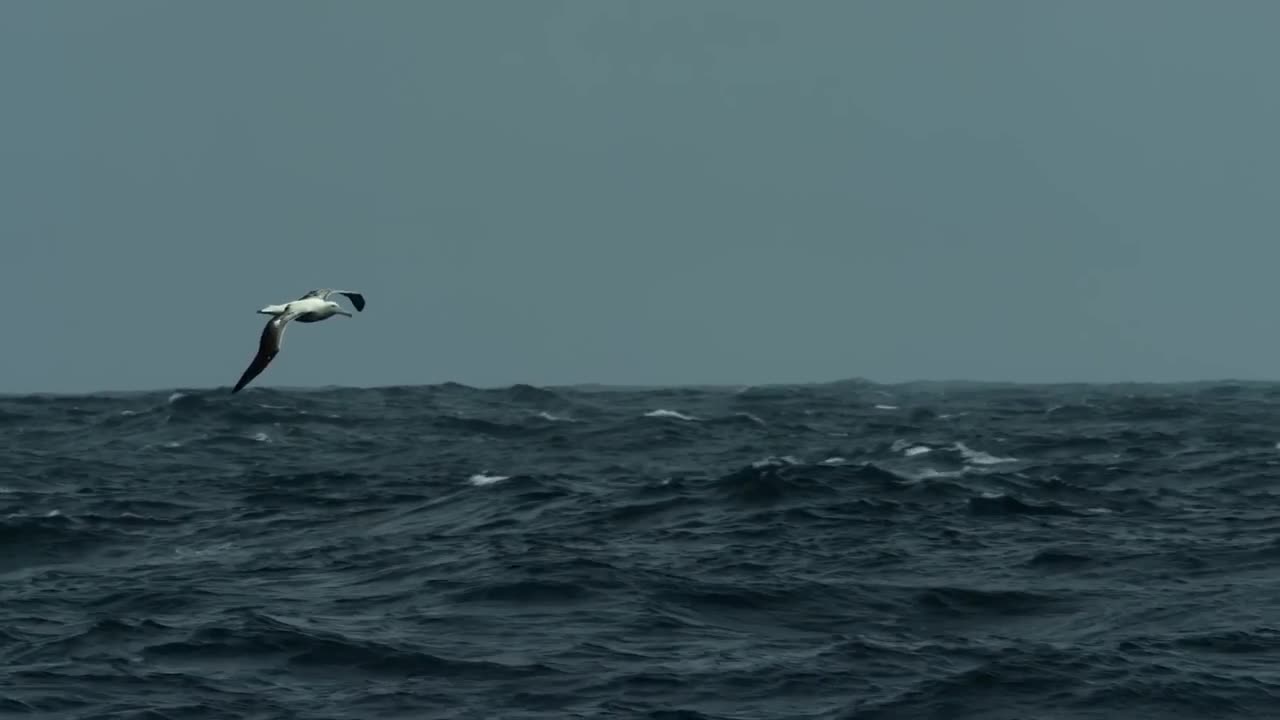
(309, 309)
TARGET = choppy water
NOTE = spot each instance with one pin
(829, 551)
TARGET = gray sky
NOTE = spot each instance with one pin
(666, 191)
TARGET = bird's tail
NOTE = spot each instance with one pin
(272, 310)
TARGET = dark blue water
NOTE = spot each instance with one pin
(829, 551)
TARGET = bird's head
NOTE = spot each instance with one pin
(337, 309)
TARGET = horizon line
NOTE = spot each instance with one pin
(600, 385)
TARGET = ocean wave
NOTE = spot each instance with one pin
(975, 551)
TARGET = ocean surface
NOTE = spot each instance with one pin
(847, 550)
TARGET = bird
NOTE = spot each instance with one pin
(314, 306)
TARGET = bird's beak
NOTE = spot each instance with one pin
(344, 312)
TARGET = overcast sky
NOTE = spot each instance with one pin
(675, 191)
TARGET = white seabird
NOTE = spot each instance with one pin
(312, 307)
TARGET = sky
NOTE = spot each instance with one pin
(658, 192)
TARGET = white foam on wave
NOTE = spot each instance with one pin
(934, 474)
(978, 457)
(22, 515)
(481, 479)
(886, 407)
(776, 461)
(906, 448)
(834, 461)
(168, 444)
(662, 413)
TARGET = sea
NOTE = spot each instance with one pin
(846, 550)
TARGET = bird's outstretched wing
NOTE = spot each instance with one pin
(323, 293)
(268, 346)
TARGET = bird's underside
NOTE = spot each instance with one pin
(268, 347)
